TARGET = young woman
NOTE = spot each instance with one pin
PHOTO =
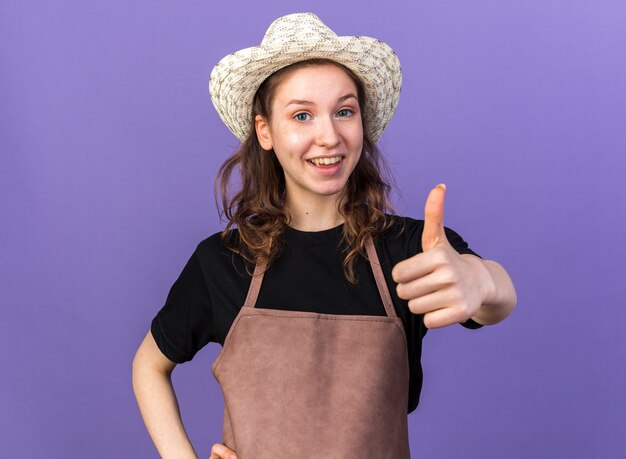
(318, 294)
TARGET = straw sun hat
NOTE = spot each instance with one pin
(298, 37)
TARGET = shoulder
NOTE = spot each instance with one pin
(402, 227)
(219, 254)
(404, 237)
(219, 242)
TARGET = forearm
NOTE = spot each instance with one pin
(500, 298)
(159, 408)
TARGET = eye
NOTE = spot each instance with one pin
(301, 116)
(345, 112)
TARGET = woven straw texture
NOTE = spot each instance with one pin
(294, 38)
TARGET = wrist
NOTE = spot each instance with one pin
(498, 294)
(484, 279)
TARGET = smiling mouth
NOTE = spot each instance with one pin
(320, 162)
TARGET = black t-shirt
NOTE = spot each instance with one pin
(307, 276)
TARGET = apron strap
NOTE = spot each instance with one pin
(380, 278)
(255, 285)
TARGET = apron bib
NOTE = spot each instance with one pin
(311, 385)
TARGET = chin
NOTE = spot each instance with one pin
(330, 190)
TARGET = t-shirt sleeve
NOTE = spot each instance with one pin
(458, 243)
(461, 247)
(184, 324)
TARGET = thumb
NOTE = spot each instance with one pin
(433, 232)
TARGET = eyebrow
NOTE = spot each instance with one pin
(308, 102)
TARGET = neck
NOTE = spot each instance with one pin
(315, 214)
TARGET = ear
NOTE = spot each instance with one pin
(263, 134)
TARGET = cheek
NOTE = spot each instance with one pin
(356, 136)
(291, 143)
(357, 144)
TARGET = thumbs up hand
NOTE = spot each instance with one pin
(439, 282)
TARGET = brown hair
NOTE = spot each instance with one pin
(258, 207)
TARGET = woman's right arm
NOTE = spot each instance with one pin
(157, 401)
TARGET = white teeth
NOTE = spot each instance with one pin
(325, 161)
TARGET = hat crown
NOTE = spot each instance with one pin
(298, 37)
(297, 26)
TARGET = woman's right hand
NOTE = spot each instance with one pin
(219, 451)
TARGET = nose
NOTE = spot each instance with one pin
(327, 132)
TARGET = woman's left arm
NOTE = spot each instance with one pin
(501, 298)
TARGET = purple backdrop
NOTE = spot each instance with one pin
(109, 146)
